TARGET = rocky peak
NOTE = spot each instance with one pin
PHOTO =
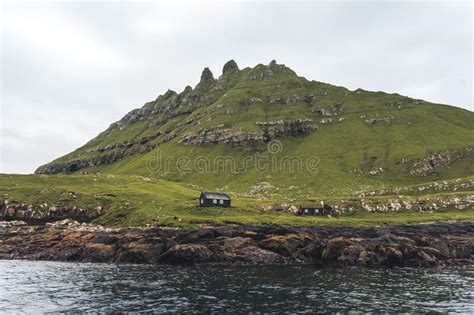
(279, 68)
(169, 93)
(230, 66)
(207, 76)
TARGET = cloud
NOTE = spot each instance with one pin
(69, 69)
(56, 39)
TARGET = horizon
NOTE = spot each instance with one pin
(96, 76)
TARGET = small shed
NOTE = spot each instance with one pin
(214, 199)
(314, 210)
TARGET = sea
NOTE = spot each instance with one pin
(39, 287)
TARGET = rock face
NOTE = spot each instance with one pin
(109, 154)
(54, 168)
(128, 143)
(46, 213)
(425, 245)
(221, 135)
(269, 130)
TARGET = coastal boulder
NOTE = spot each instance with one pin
(350, 255)
(186, 254)
(142, 251)
(314, 249)
(238, 242)
(255, 255)
(393, 257)
(334, 248)
(98, 252)
(367, 259)
(285, 245)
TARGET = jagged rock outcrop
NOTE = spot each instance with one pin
(207, 76)
(168, 94)
(424, 245)
(229, 67)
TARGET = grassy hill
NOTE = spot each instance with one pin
(214, 135)
(268, 137)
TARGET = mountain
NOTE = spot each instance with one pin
(265, 131)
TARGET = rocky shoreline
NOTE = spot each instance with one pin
(418, 245)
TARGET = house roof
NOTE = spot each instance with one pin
(312, 204)
(215, 195)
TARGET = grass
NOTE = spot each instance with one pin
(136, 200)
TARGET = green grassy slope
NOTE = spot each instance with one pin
(375, 139)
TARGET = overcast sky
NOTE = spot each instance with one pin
(70, 69)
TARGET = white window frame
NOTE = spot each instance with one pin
(214, 201)
(221, 202)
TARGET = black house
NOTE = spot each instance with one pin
(214, 199)
(312, 210)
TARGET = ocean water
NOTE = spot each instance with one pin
(35, 287)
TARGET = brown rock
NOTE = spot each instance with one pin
(255, 255)
(393, 257)
(426, 260)
(98, 252)
(350, 254)
(238, 242)
(313, 249)
(334, 248)
(186, 254)
(367, 258)
(284, 245)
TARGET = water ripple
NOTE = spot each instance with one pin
(42, 287)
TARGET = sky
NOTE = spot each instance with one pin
(69, 69)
